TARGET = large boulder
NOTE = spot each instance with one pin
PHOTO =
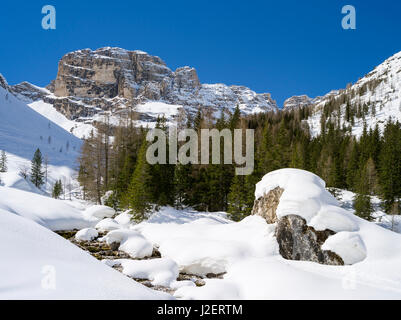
(297, 240)
(310, 225)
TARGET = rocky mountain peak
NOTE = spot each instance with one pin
(297, 102)
(91, 82)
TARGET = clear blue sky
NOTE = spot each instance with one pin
(282, 47)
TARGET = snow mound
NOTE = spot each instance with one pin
(161, 272)
(305, 195)
(42, 265)
(107, 224)
(124, 218)
(349, 246)
(87, 234)
(130, 242)
(100, 212)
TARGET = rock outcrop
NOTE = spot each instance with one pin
(266, 206)
(296, 240)
(298, 102)
(3, 83)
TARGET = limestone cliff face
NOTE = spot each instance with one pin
(111, 79)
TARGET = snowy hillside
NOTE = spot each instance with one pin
(22, 131)
(379, 93)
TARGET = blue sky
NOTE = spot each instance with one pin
(282, 47)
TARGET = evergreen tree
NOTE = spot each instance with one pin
(363, 206)
(182, 185)
(3, 161)
(37, 174)
(57, 189)
(241, 197)
(139, 194)
(390, 165)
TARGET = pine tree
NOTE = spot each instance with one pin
(57, 189)
(390, 165)
(182, 185)
(3, 161)
(236, 199)
(363, 206)
(241, 197)
(139, 194)
(37, 175)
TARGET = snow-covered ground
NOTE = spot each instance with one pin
(39, 264)
(191, 242)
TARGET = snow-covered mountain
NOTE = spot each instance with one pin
(91, 83)
(373, 100)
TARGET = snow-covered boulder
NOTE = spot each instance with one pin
(161, 272)
(131, 242)
(107, 224)
(99, 212)
(311, 225)
(124, 218)
(87, 234)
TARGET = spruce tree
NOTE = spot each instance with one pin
(57, 189)
(366, 185)
(139, 194)
(3, 161)
(182, 185)
(37, 175)
(363, 206)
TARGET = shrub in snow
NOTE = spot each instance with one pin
(99, 212)
(87, 234)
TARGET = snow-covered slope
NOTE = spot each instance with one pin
(22, 131)
(379, 92)
(39, 264)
